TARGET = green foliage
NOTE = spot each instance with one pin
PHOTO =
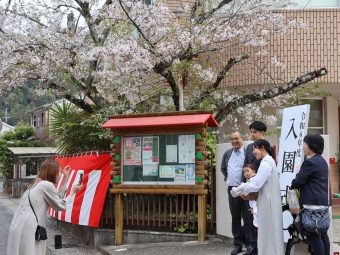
(20, 133)
(211, 141)
(19, 137)
(6, 160)
(76, 130)
(182, 228)
(20, 100)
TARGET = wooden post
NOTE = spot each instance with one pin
(119, 219)
(202, 217)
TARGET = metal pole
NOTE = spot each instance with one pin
(181, 96)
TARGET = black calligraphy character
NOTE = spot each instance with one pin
(300, 135)
(302, 125)
(288, 161)
(292, 129)
(303, 116)
(299, 142)
(298, 152)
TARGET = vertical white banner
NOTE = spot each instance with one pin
(294, 128)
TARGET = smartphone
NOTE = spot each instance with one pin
(80, 178)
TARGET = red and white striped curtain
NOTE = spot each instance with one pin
(86, 207)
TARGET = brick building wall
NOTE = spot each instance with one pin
(301, 51)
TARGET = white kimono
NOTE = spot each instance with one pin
(269, 207)
(21, 239)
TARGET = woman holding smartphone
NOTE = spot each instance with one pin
(32, 210)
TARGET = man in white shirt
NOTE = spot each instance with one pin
(232, 169)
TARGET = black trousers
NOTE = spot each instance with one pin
(239, 210)
(319, 243)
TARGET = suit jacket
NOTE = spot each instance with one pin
(224, 163)
(250, 157)
(312, 180)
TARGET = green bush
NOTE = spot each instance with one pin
(18, 137)
(6, 160)
(75, 131)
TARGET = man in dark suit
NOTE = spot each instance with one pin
(232, 169)
(257, 131)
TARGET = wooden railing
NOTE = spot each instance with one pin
(162, 212)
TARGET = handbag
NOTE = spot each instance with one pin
(293, 201)
(40, 233)
(315, 220)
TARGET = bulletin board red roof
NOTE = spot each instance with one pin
(162, 121)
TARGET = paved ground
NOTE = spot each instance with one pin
(7, 208)
(213, 246)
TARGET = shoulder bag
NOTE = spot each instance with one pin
(316, 220)
(40, 233)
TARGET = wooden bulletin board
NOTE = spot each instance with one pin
(159, 159)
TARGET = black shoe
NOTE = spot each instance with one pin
(251, 249)
(236, 249)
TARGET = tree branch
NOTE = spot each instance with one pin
(153, 49)
(206, 15)
(160, 69)
(268, 93)
(221, 75)
(194, 8)
(85, 11)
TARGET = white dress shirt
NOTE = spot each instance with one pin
(235, 167)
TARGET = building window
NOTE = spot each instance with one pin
(308, 4)
(34, 121)
(42, 119)
(148, 2)
(316, 116)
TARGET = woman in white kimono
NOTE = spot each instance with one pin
(269, 208)
(42, 194)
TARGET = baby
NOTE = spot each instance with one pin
(249, 172)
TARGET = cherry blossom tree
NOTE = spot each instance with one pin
(109, 54)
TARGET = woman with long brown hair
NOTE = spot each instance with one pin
(32, 210)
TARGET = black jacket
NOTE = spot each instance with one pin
(312, 180)
(250, 157)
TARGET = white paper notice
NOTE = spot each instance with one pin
(186, 148)
(190, 173)
(171, 153)
(179, 173)
(166, 171)
(150, 170)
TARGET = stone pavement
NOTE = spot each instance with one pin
(74, 245)
(213, 246)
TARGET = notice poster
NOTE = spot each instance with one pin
(171, 153)
(179, 174)
(190, 173)
(150, 150)
(150, 170)
(132, 151)
(167, 171)
(186, 149)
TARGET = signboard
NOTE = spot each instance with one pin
(159, 159)
(294, 128)
(132, 152)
